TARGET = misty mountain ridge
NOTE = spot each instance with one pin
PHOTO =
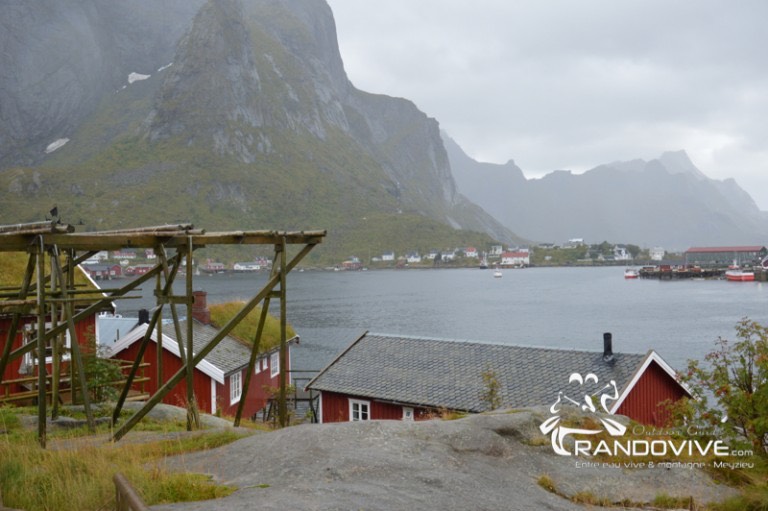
(665, 201)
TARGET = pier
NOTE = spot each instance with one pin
(668, 272)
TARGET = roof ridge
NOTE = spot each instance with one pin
(496, 343)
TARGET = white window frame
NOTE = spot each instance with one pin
(257, 367)
(408, 414)
(29, 334)
(274, 364)
(359, 410)
(265, 363)
(235, 387)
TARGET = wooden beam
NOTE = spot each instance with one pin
(140, 239)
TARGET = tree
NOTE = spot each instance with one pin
(736, 377)
(634, 250)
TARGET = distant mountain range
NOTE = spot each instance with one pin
(662, 202)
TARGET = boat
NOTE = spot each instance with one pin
(631, 273)
(497, 274)
(739, 276)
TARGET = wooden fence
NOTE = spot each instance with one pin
(126, 497)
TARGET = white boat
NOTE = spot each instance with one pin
(631, 273)
(497, 274)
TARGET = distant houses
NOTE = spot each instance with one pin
(656, 254)
(103, 271)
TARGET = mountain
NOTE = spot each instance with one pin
(666, 201)
(226, 113)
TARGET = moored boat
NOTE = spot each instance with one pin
(740, 276)
(631, 273)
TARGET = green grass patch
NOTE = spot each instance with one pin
(33, 479)
(246, 329)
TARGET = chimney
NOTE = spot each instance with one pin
(200, 310)
(143, 316)
(607, 347)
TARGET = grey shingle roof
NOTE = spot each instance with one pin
(229, 355)
(443, 373)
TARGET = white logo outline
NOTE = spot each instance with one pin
(559, 432)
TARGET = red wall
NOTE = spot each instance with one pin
(258, 393)
(653, 388)
(335, 408)
(171, 364)
(84, 329)
(256, 398)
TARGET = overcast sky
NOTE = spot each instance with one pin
(567, 84)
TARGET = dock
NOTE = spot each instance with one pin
(669, 272)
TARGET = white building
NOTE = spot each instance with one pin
(516, 259)
(413, 258)
(657, 253)
(388, 256)
(621, 253)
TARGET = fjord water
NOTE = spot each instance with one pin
(552, 307)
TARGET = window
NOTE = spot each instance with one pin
(235, 387)
(359, 410)
(264, 364)
(407, 413)
(275, 363)
(257, 367)
(30, 335)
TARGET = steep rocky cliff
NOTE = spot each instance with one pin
(254, 121)
(61, 57)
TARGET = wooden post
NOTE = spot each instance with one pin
(252, 361)
(56, 285)
(193, 417)
(76, 356)
(41, 394)
(159, 328)
(282, 408)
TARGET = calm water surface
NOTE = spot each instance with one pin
(556, 307)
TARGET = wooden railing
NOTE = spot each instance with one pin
(126, 497)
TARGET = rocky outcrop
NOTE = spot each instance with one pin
(488, 461)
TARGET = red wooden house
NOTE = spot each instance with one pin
(411, 378)
(219, 378)
(25, 367)
(19, 373)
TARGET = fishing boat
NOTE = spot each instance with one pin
(631, 273)
(740, 276)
